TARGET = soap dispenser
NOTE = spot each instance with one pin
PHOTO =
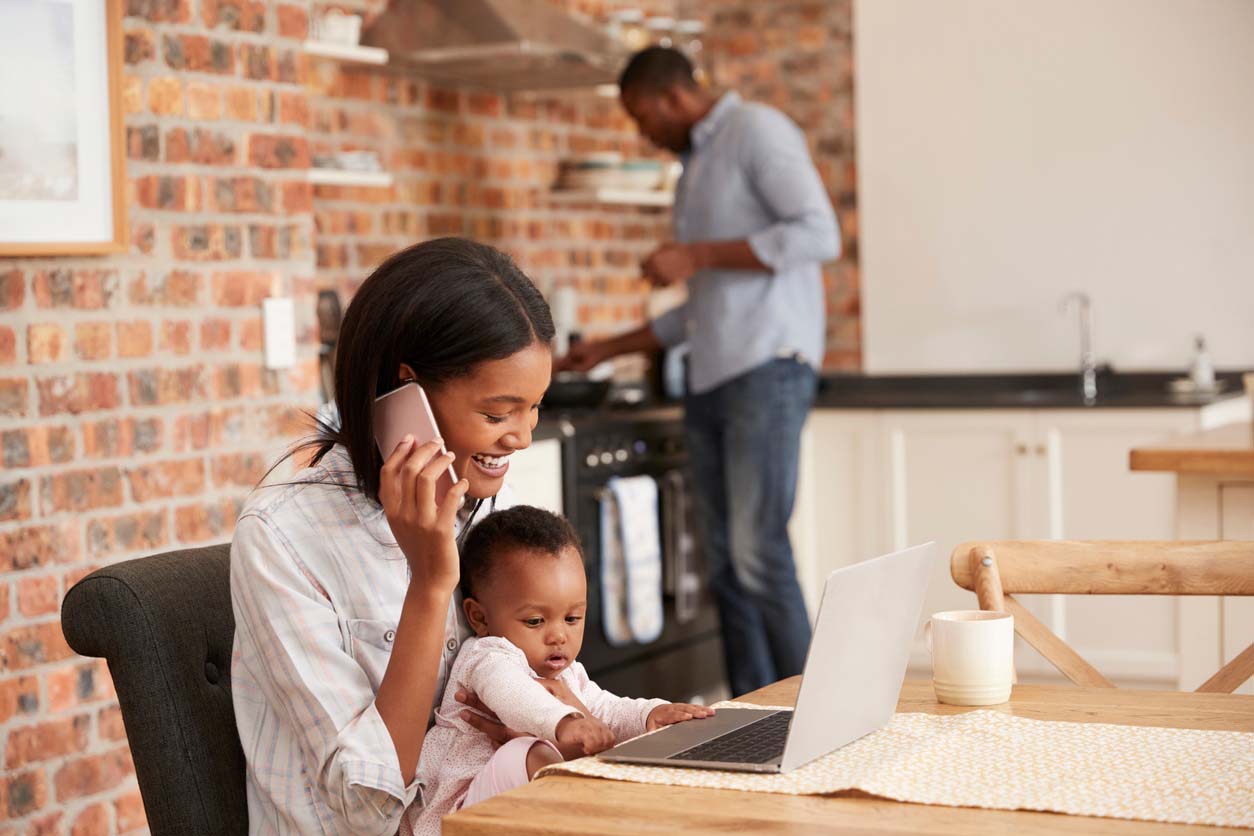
(1202, 372)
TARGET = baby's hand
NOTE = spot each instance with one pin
(675, 712)
(583, 736)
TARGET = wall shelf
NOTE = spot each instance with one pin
(342, 52)
(346, 177)
(622, 197)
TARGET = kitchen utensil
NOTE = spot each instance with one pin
(576, 389)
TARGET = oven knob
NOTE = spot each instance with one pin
(639, 447)
(607, 457)
(620, 455)
(592, 460)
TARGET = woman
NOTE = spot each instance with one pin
(343, 578)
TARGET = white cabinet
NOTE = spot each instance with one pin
(836, 519)
(535, 475)
(1040, 474)
(949, 475)
(1094, 496)
(877, 480)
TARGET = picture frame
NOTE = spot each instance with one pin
(62, 147)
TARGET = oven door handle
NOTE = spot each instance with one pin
(683, 582)
(669, 485)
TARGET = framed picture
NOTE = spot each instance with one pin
(62, 159)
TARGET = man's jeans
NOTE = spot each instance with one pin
(744, 438)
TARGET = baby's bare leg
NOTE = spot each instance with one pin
(540, 755)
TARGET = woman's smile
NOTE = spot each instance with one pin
(493, 467)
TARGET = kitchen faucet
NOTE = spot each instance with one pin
(1088, 367)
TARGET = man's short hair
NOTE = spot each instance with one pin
(521, 527)
(657, 68)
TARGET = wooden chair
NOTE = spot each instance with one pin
(996, 569)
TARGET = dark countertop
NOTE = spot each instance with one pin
(1132, 390)
(1013, 391)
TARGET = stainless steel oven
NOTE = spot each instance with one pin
(686, 661)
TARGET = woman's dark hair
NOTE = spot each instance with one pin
(522, 526)
(657, 68)
(442, 307)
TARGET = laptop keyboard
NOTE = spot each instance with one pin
(759, 742)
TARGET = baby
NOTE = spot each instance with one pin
(525, 595)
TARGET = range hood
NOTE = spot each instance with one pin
(496, 44)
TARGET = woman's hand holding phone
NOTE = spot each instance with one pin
(422, 526)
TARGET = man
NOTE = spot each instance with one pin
(752, 224)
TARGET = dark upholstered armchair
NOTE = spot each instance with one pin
(165, 626)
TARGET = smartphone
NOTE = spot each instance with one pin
(406, 411)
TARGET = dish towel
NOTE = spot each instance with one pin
(631, 561)
(998, 761)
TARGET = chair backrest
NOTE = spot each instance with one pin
(996, 569)
(164, 624)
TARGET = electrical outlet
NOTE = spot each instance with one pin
(278, 316)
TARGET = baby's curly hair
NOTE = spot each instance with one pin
(523, 526)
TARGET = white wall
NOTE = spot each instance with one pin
(1012, 150)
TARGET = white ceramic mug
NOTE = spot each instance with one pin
(972, 656)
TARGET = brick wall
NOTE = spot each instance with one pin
(135, 413)
(134, 409)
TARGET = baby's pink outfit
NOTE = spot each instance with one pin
(454, 753)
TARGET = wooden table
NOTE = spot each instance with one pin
(1214, 501)
(568, 804)
(1222, 451)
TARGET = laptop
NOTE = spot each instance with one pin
(852, 679)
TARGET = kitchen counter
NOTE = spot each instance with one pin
(1225, 451)
(1138, 390)
(558, 422)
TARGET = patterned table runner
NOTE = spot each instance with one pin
(998, 761)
